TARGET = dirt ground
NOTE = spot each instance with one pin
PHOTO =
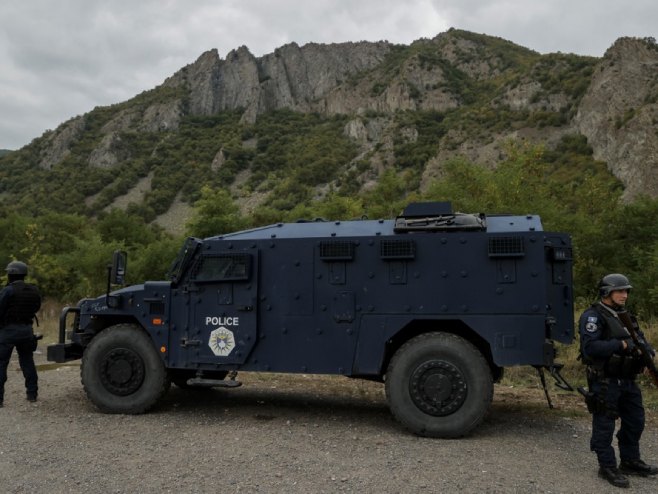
(280, 433)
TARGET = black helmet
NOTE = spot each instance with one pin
(611, 282)
(16, 268)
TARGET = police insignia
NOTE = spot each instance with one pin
(591, 326)
(592, 319)
(222, 341)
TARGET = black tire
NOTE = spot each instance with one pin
(122, 372)
(439, 385)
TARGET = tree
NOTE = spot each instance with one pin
(214, 213)
(152, 262)
(387, 199)
(118, 225)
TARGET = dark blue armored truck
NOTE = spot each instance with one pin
(434, 304)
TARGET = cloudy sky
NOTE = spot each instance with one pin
(61, 58)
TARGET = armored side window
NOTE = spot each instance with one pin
(222, 267)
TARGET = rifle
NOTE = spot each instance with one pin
(643, 348)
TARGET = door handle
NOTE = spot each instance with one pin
(184, 342)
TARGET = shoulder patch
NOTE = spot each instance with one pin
(592, 319)
(591, 326)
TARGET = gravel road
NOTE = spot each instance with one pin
(280, 433)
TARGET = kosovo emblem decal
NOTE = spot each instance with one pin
(222, 341)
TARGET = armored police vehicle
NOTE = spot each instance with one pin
(434, 304)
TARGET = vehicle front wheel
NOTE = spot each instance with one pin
(122, 372)
(439, 385)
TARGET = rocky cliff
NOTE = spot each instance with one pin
(291, 77)
(619, 114)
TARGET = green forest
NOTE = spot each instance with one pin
(68, 253)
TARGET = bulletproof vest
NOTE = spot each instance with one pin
(625, 366)
(23, 303)
(613, 328)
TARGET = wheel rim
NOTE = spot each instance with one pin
(122, 371)
(438, 388)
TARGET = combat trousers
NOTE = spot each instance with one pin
(624, 401)
(24, 344)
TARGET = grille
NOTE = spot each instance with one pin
(156, 308)
(397, 249)
(337, 250)
(506, 247)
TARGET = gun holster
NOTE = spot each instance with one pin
(594, 404)
(35, 341)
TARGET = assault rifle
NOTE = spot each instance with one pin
(644, 350)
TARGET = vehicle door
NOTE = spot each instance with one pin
(222, 308)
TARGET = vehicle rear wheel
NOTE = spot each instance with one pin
(439, 385)
(122, 372)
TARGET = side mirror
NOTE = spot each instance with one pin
(115, 276)
(118, 269)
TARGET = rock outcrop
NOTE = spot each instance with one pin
(58, 142)
(292, 77)
(619, 114)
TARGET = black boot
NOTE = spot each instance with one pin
(637, 467)
(32, 397)
(614, 476)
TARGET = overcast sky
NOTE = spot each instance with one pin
(61, 58)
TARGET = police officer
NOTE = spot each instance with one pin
(612, 364)
(19, 303)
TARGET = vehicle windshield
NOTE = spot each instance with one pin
(183, 259)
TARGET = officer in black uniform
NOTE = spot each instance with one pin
(19, 303)
(612, 364)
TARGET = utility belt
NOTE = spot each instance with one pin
(616, 367)
(601, 372)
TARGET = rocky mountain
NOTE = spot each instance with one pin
(413, 106)
(619, 114)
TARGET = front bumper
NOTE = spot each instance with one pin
(62, 351)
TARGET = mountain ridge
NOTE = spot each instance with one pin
(406, 107)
